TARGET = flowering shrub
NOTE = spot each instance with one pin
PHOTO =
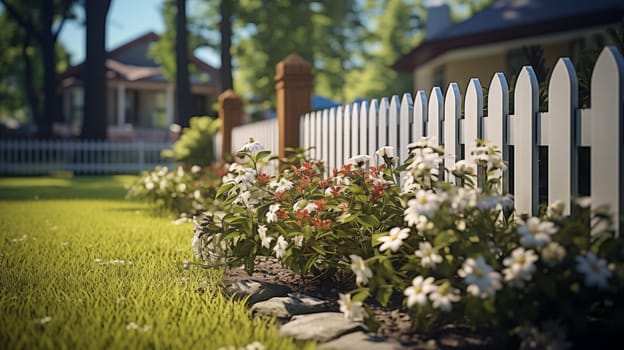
(184, 191)
(442, 240)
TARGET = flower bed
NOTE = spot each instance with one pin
(448, 251)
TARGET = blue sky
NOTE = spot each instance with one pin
(127, 20)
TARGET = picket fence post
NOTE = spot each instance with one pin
(293, 93)
(607, 118)
(231, 114)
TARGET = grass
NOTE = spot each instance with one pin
(82, 268)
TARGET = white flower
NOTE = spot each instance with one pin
(341, 180)
(463, 167)
(352, 310)
(44, 320)
(361, 271)
(443, 296)
(481, 278)
(428, 256)
(385, 151)
(195, 169)
(555, 209)
(536, 233)
(520, 266)
(425, 159)
(298, 241)
(309, 206)
(181, 187)
(255, 346)
(266, 241)
(281, 186)
(132, 326)
(252, 147)
(488, 156)
(149, 185)
(394, 239)
(417, 292)
(596, 270)
(583, 202)
(280, 247)
(553, 253)
(359, 160)
(425, 203)
(271, 215)
(246, 199)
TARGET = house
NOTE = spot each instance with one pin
(497, 38)
(141, 102)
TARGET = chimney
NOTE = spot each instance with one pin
(438, 19)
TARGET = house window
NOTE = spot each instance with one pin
(439, 77)
(132, 107)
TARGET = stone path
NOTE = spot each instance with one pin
(305, 317)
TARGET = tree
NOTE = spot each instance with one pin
(94, 124)
(396, 27)
(226, 11)
(324, 32)
(183, 87)
(37, 19)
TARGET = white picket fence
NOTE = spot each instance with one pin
(21, 157)
(361, 128)
(266, 132)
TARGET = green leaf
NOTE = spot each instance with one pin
(444, 239)
(368, 221)
(344, 219)
(361, 294)
(383, 294)
(319, 250)
(262, 154)
(224, 188)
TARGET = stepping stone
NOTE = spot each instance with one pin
(361, 340)
(320, 327)
(284, 308)
(256, 290)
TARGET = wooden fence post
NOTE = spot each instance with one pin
(231, 114)
(293, 92)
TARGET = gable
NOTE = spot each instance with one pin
(136, 55)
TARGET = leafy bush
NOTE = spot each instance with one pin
(452, 251)
(196, 144)
(184, 191)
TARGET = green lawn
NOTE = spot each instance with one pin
(80, 267)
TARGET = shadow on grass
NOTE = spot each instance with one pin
(64, 187)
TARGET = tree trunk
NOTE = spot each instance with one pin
(47, 43)
(94, 123)
(183, 87)
(32, 95)
(225, 28)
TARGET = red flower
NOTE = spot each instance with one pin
(322, 185)
(377, 191)
(281, 213)
(303, 214)
(320, 204)
(322, 224)
(263, 179)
